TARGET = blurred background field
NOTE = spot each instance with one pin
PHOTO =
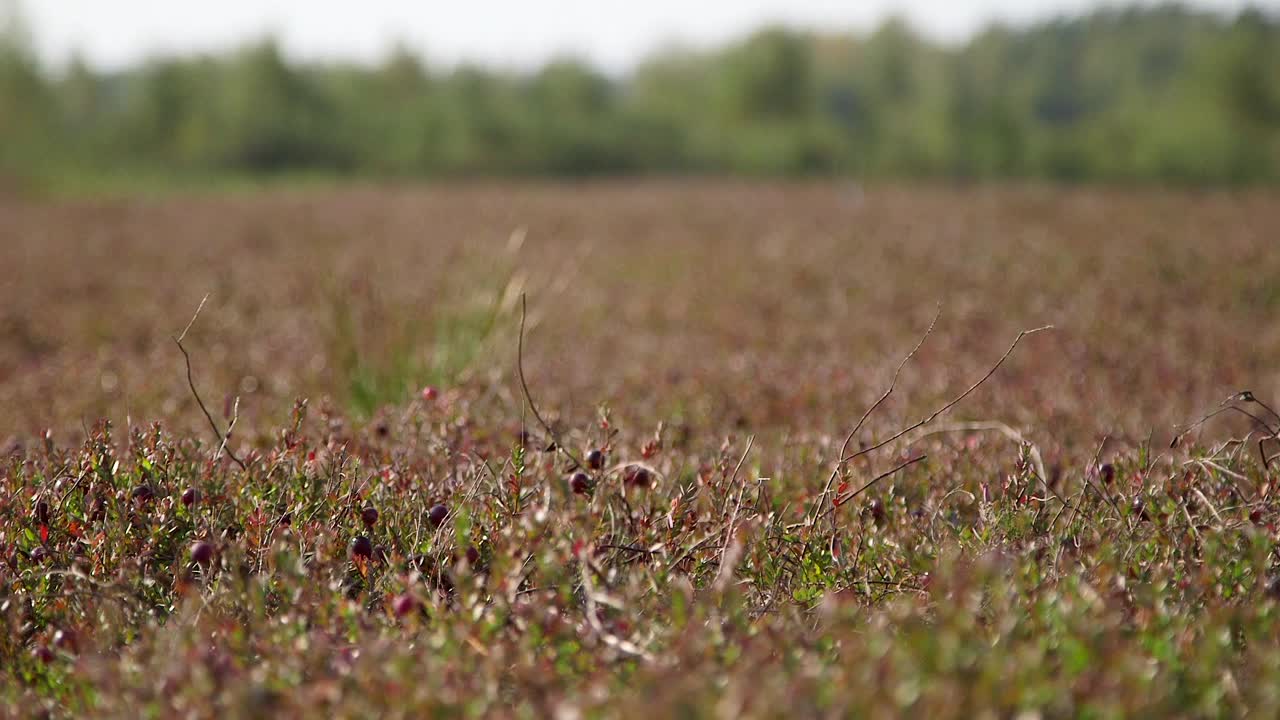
(730, 306)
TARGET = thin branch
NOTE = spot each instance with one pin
(893, 383)
(1229, 405)
(952, 403)
(235, 418)
(524, 385)
(733, 517)
(199, 307)
(867, 486)
(191, 383)
(1075, 509)
(1247, 396)
(1222, 410)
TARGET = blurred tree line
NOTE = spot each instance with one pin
(1142, 94)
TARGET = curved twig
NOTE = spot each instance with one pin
(956, 401)
(524, 385)
(222, 437)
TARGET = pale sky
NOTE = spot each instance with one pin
(613, 35)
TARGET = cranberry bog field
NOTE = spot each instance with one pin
(641, 449)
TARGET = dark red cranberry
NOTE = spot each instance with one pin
(637, 476)
(1255, 517)
(404, 604)
(429, 393)
(66, 640)
(190, 497)
(595, 459)
(580, 483)
(39, 554)
(1138, 508)
(361, 547)
(437, 515)
(43, 654)
(42, 512)
(876, 508)
(97, 505)
(142, 493)
(369, 516)
(1107, 473)
(473, 556)
(201, 553)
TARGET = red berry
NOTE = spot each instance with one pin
(142, 493)
(190, 497)
(66, 640)
(437, 514)
(877, 511)
(1107, 472)
(473, 556)
(43, 654)
(42, 512)
(637, 476)
(429, 393)
(369, 516)
(201, 553)
(1255, 517)
(361, 546)
(580, 483)
(39, 554)
(595, 459)
(404, 604)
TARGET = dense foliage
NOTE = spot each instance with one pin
(407, 543)
(1156, 94)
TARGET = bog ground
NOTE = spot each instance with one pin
(391, 530)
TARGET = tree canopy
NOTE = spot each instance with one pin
(1163, 94)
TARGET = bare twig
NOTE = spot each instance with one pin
(1249, 397)
(893, 383)
(956, 401)
(223, 438)
(1228, 405)
(524, 385)
(1075, 509)
(692, 548)
(186, 329)
(867, 486)
(733, 516)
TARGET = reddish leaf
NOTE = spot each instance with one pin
(44, 533)
(841, 489)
